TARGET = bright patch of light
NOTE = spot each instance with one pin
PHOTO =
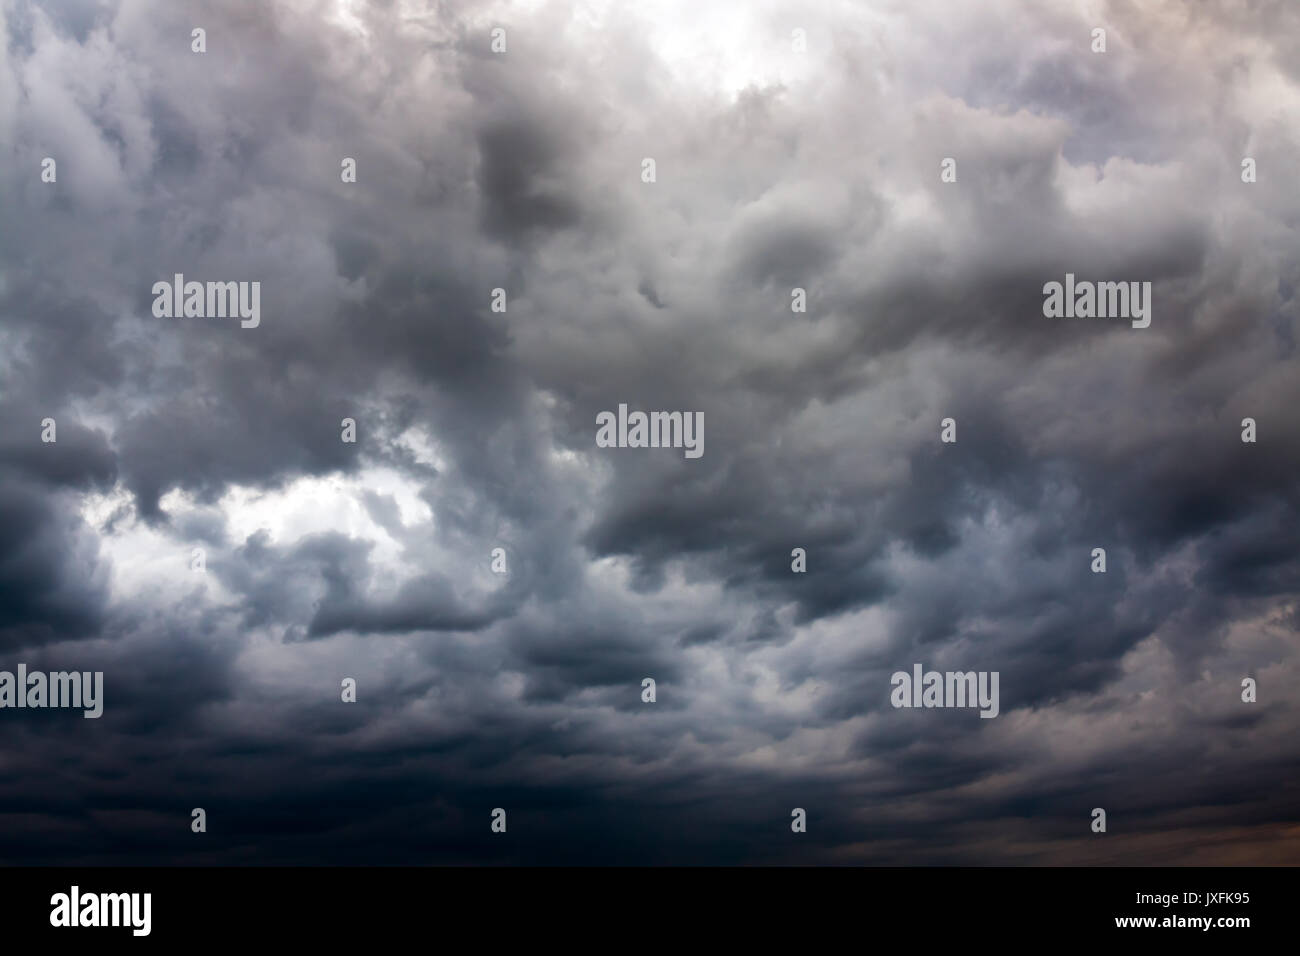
(345, 15)
(318, 505)
(97, 508)
(711, 47)
(146, 561)
(714, 46)
(422, 446)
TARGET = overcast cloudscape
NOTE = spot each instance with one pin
(776, 168)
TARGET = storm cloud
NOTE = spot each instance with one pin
(794, 146)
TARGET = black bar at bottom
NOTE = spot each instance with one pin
(656, 907)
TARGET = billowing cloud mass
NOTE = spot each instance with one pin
(795, 146)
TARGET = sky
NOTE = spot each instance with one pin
(795, 146)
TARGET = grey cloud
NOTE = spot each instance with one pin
(522, 171)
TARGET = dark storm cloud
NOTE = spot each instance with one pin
(476, 171)
(518, 155)
(49, 586)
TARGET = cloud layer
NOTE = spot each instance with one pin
(522, 171)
